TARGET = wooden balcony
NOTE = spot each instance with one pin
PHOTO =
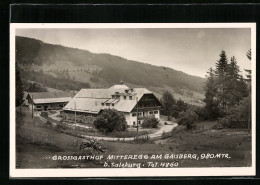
(140, 109)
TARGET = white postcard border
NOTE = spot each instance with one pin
(129, 172)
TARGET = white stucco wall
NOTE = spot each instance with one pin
(131, 119)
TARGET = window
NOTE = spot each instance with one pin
(139, 122)
(134, 123)
(124, 97)
(156, 112)
(139, 114)
(134, 114)
(113, 96)
(130, 97)
(103, 104)
(38, 107)
(107, 104)
(113, 104)
(150, 112)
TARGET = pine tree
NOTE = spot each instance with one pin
(233, 69)
(248, 54)
(247, 104)
(210, 100)
(221, 65)
(233, 76)
(237, 88)
(225, 87)
(18, 87)
(221, 81)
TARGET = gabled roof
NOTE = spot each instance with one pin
(84, 105)
(141, 91)
(52, 100)
(125, 105)
(45, 95)
(50, 97)
(93, 93)
(90, 100)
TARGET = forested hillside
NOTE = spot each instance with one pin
(35, 55)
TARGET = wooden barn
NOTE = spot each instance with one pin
(48, 100)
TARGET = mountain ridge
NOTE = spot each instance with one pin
(98, 68)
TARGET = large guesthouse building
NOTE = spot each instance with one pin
(134, 103)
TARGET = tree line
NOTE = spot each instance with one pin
(47, 80)
(225, 87)
(227, 97)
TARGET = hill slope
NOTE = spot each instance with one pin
(36, 54)
(58, 63)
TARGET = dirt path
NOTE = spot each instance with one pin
(54, 116)
(162, 129)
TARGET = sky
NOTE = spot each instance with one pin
(191, 50)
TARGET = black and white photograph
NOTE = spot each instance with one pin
(117, 99)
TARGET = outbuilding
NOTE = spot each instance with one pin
(48, 100)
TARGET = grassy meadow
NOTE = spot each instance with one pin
(37, 143)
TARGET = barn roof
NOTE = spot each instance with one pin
(45, 95)
(84, 105)
(52, 100)
(90, 100)
(50, 97)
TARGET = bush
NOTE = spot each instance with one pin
(93, 144)
(224, 121)
(202, 113)
(188, 119)
(126, 134)
(142, 140)
(217, 126)
(238, 116)
(44, 114)
(48, 124)
(231, 122)
(150, 122)
(60, 126)
(179, 129)
(110, 120)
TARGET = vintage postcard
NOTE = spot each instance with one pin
(132, 100)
